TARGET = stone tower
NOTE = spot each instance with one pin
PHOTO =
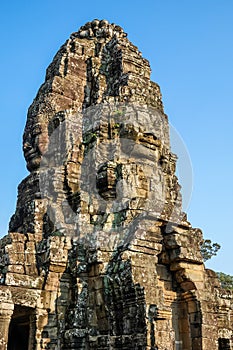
(99, 254)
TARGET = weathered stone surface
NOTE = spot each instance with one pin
(99, 254)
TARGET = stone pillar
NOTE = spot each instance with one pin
(39, 323)
(6, 311)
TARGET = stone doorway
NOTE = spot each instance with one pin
(20, 330)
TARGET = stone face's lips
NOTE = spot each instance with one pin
(31, 154)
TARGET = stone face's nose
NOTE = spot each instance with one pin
(106, 180)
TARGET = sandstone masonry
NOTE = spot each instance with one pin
(99, 254)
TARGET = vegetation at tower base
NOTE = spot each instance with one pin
(99, 254)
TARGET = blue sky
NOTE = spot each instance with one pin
(189, 46)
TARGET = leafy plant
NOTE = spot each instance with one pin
(225, 280)
(209, 249)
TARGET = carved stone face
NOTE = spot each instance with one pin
(110, 174)
(119, 174)
(35, 142)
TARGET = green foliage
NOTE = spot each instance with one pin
(89, 137)
(57, 234)
(225, 280)
(209, 249)
(119, 112)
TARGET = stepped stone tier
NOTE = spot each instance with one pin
(99, 254)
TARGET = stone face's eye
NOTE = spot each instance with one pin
(36, 130)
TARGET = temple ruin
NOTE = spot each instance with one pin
(99, 253)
